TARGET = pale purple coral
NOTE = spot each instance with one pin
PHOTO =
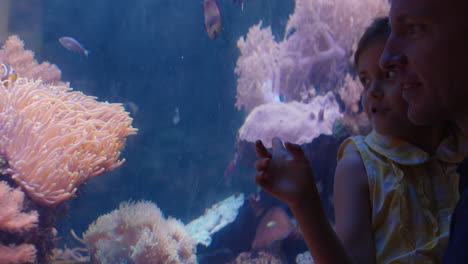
(313, 56)
(294, 122)
(257, 68)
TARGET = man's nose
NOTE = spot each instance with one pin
(391, 59)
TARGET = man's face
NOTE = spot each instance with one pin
(428, 49)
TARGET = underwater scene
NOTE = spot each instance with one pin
(127, 128)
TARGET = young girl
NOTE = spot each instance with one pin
(394, 188)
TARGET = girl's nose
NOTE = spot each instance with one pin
(375, 91)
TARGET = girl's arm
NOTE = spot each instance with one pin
(292, 181)
(353, 222)
(352, 242)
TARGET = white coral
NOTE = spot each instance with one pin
(138, 233)
(294, 122)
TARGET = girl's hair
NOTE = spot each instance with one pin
(378, 30)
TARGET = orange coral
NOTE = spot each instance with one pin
(12, 219)
(25, 253)
(55, 138)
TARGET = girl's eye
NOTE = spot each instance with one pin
(390, 75)
(365, 81)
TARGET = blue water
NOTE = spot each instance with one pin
(155, 55)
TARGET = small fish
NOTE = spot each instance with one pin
(72, 44)
(212, 16)
(132, 108)
(176, 117)
(271, 224)
(241, 2)
(230, 168)
(8, 73)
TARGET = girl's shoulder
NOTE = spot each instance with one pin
(351, 174)
(349, 145)
(350, 159)
(379, 150)
(357, 153)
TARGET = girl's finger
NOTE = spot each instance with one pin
(262, 180)
(262, 164)
(261, 151)
(296, 151)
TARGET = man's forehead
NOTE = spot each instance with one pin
(402, 9)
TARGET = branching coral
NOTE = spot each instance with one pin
(138, 233)
(314, 53)
(23, 62)
(257, 68)
(350, 93)
(12, 219)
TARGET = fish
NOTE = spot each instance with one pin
(176, 117)
(241, 2)
(231, 167)
(212, 17)
(9, 73)
(72, 44)
(132, 108)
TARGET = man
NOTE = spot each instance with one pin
(428, 48)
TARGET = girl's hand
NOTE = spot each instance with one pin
(286, 174)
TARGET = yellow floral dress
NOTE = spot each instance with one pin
(412, 195)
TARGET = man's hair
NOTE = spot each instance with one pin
(379, 29)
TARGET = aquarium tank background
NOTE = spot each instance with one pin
(128, 126)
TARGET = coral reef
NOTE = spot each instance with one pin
(138, 233)
(24, 64)
(305, 258)
(274, 226)
(350, 94)
(74, 255)
(14, 220)
(215, 218)
(53, 139)
(294, 122)
(314, 53)
(257, 68)
(281, 83)
(261, 257)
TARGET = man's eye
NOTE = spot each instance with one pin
(415, 29)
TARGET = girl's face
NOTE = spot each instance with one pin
(381, 97)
